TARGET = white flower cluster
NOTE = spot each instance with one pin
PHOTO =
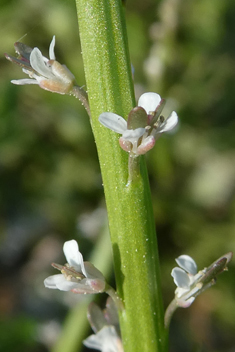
(49, 74)
(105, 325)
(190, 282)
(143, 126)
(82, 277)
(76, 276)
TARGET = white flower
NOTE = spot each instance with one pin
(149, 101)
(49, 74)
(186, 279)
(105, 324)
(77, 276)
(105, 340)
(191, 283)
(118, 124)
(144, 124)
(153, 104)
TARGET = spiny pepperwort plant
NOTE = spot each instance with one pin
(133, 318)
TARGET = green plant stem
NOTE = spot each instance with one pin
(131, 222)
(133, 169)
(79, 93)
(115, 297)
(169, 312)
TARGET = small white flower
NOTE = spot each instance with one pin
(191, 283)
(149, 102)
(49, 74)
(105, 340)
(130, 137)
(153, 104)
(105, 324)
(144, 125)
(99, 318)
(186, 279)
(77, 276)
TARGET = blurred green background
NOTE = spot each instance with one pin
(50, 183)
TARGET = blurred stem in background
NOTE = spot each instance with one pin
(132, 229)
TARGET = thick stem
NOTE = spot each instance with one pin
(131, 222)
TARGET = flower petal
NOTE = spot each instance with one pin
(21, 82)
(133, 135)
(51, 49)
(170, 123)
(59, 282)
(113, 121)
(187, 263)
(181, 279)
(73, 256)
(66, 285)
(94, 341)
(37, 62)
(149, 101)
(106, 340)
(52, 281)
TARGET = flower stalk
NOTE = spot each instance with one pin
(133, 169)
(132, 229)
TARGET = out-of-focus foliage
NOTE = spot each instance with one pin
(51, 188)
